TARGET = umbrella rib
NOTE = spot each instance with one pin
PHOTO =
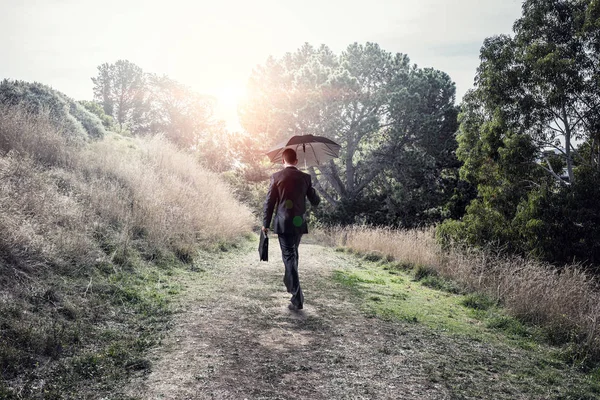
(330, 149)
(315, 154)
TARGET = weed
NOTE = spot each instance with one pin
(439, 283)
(185, 254)
(429, 277)
(478, 301)
(422, 271)
(373, 256)
(508, 325)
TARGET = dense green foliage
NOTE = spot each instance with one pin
(66, 113)
(528, 137)
(394, 121)
(563, 225)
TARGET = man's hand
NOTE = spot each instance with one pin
(265, 230)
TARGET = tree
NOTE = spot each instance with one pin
(501, 165)
(184, 116)
(420, 166)
(103, 84)
(534, 92)
(122, 91)
(150, 104)
(365, 99)
(545, 79)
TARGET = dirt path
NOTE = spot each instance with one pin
(237, 339)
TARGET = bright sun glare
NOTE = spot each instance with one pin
(228, 99)
(229, 96)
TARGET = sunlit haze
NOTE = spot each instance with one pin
(213, 46)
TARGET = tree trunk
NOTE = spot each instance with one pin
(349, 166)
(120, 115)
(568, 145)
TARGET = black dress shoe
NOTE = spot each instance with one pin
(294, 307)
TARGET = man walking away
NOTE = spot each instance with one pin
(288, 190)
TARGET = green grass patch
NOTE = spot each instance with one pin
(419, 297)
(357, 278)
(398, 297)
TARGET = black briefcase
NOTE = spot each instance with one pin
(263, 247)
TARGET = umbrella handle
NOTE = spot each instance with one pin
(304, 150)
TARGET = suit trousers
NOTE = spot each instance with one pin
(289, 252)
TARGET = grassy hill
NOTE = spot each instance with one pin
(93, 225)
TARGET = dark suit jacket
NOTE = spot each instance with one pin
(288, 191)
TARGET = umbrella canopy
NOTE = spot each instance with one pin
(312, 151)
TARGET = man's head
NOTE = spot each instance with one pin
(289, 157)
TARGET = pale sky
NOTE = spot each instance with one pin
(212, 46)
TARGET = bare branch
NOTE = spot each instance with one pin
(365, 181)
(549, 165)
(558, 178)
(559, 130)
(578, 154)
(550, 144)
(320, 188)
(556, 114)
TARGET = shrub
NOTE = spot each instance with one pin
(34, 135)
(478, 301)
(95, 108)
(560, 225)
(63, 112)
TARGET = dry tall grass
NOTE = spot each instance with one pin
(40, 225)
(414, 246)
(62, 200)
(566, 302)
(35, 136)
(160, 193)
